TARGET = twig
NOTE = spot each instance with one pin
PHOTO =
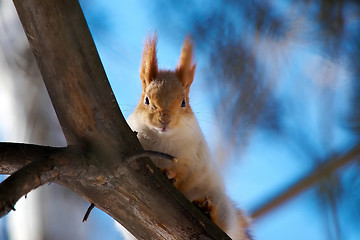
(88, 212)
(154, 154)
(322, 171)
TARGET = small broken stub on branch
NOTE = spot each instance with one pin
(91, 207)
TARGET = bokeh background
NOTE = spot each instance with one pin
(276, 92)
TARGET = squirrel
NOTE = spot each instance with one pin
(165, 122)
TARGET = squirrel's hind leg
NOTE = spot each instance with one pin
(209, 209)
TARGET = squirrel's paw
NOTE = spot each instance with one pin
(170, 175)
(207, 207)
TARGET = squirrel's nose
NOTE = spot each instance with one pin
(164, 122)
(164, 118)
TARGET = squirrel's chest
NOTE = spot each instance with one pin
(185, 148)
(186, 143)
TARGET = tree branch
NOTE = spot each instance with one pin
(134, 193)
(13, 156)
(328, 168)
(46, 164)
(72, 71)
(23, 181)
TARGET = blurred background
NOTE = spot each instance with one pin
(276, 92)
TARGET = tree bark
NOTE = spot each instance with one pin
(134, 193)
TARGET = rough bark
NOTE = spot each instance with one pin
(134, 193)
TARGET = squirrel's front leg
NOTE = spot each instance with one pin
(171, 175)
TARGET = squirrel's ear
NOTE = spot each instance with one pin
(186, 69)
(149, 67)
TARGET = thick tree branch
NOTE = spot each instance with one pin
(312, 178)
(46, 165)
(134, 193)
(23, 181)
(41, 164)
(14, 156)
(72, 71)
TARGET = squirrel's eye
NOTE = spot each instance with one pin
(147, 102)
(183, 103)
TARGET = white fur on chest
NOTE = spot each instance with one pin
(185, 142)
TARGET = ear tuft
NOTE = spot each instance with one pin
(149, 67)
(186, 69)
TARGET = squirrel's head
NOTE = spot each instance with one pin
(164, 102)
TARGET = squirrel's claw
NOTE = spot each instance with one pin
(207, 207)
(170, 175)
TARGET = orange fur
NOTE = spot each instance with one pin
(186, 69)
(210, 210)
(149, 67)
